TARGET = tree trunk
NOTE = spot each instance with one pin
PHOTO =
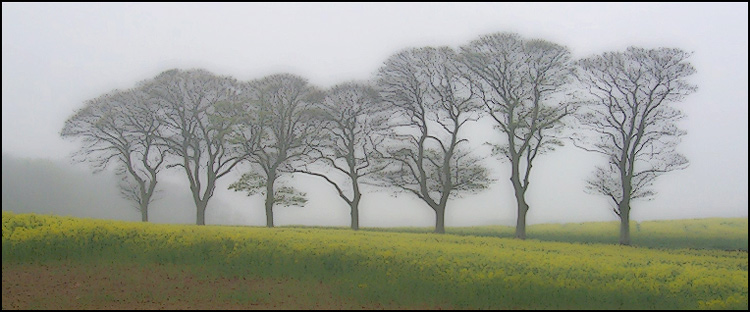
(625, 222)
(523, 208)
(269, 200)
(440, 220)
(269, 210)
(355, 201)
(201, 213)
(626, 179)
(144, 213)
(355, 213)
(146, 199)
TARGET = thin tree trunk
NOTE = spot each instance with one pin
(355, 200)
(269, 210)
(624, 205)
(355, 213)
(625, 222)
(269, 200)
(521, 204)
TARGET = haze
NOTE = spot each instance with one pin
(56, 56)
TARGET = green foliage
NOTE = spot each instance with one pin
(289, 196)
(255, 183)
(251, 182)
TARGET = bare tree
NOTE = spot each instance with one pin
(630, 120)
(199, 110)
(284, 118)
(122, 127)
(352, 115)
(519, 82)
(431, 100)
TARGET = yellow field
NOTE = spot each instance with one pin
(404, 268)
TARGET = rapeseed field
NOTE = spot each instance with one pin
(461, 271)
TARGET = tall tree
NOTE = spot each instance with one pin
(352, 116)
(122, 127)
(199, 110)
(519, 82)
(631, 121)
(431, 100)
(284, 117)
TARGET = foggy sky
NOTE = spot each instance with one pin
(56, 56)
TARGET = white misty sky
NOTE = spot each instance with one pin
(55, 56)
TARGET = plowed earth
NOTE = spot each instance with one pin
(134, 287)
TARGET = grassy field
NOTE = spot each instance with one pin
(681, 264)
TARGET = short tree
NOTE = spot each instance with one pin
(122, 127)
(631, 121)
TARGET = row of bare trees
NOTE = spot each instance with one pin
(402, 130)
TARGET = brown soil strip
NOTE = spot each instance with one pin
(136, 287)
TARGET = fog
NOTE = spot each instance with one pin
(57, 56)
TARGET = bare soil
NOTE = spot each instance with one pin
(138, 287)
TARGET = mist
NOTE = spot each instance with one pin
(57, 56)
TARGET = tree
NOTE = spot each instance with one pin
(519, 82)
(351, 116)
(199, 110)
(284, 120)
(430, 101)
(122, 127)
(630, 120)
